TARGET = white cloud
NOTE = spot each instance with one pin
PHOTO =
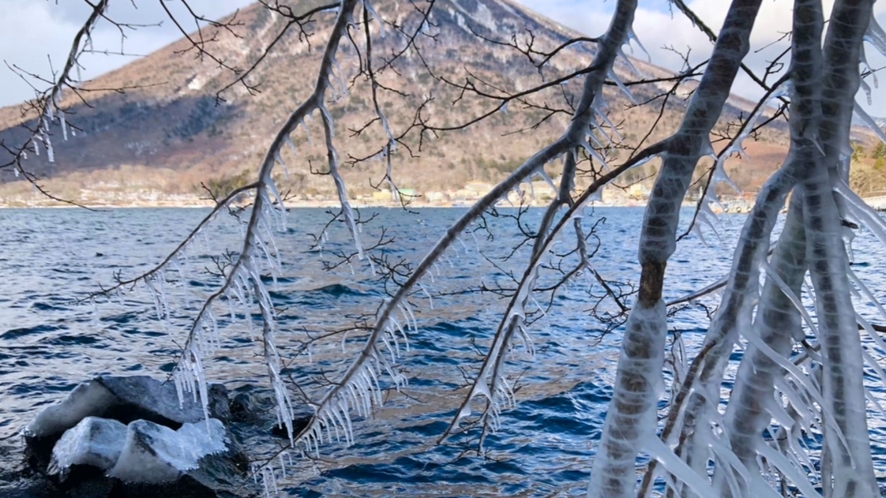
(34, 32)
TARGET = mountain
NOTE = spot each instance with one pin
(167, 132)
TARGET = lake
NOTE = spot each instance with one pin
(51, 259)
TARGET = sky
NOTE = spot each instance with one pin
(36, 34)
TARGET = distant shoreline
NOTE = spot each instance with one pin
(296, 204)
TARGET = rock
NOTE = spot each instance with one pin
(86, 400)
(298, 424)
(245, 407)
(103, 459)
(94, 441)
(129, 437)
(143, 397)
(126, 399)
(155, 454)
(252, 409)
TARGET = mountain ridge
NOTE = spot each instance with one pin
(169, 134)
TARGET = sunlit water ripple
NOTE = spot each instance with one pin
(49, 343)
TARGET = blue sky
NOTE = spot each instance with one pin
(33, 31)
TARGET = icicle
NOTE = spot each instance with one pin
(395, 353)
(710, 217)
(723, 456)
(799, 479)
(406, 309)
(328, 118)
(869, 121)
(594, 141)
(876, 36)
(279, 158)
(50, 152)
(696, 229)
(605, 117)
(772, 275)
(720, 175)
(633, 37)
(622, 87)
(676, 466)
(307, 130)
(862, 211)
(712, 199)
(804, 380)
(64, 124)
(547, 179)
(868, 294)
(344, 339)
(339, 74)
(596, 196)
(630, 64)
(264, 481)
(381, 24)
(272, 187)
(428, 294)
(528, 345)
(392, 143)
(153, 292)
(867, 90)
(710, 220)
(593, 153)
(291, 146)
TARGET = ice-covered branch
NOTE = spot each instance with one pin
(852, 473)
(502, 100)
(490, 382)
(777, 323)
(777, 318)
(242, 282)
(352, 389)
(391, 143)
(300, 20)
(704, 28)
(631, 417)
(47, 106)
(742, 290)
(197, 40)
(778, 315)
(177, 251)
(529, 49)
(717, 173)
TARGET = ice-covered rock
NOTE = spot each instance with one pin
(128, 437)
(140, 452)
(126, 399)
(153, 453)
(94, 441)
(159, 400)
(86, 400)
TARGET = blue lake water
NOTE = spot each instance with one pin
(49, 259)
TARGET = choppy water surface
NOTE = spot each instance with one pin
(48, 343)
